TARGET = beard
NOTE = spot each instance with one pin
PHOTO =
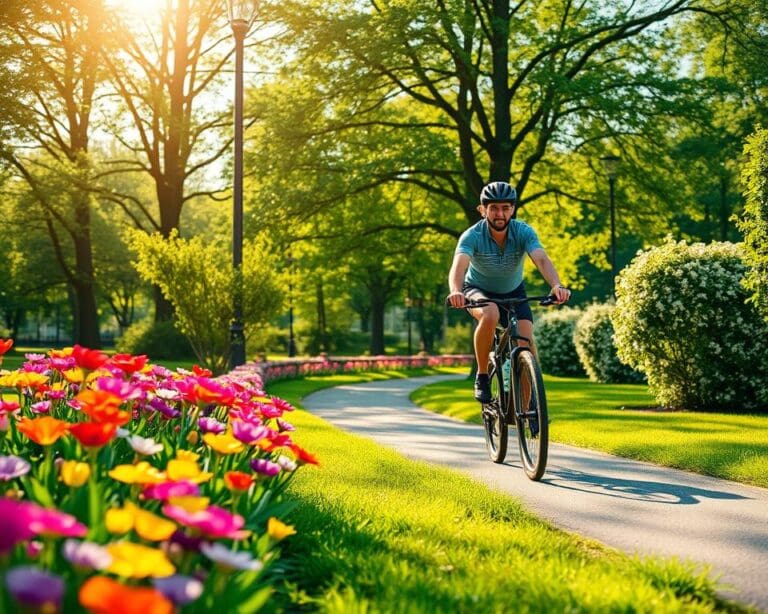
(499, 225)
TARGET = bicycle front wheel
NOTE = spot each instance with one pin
(531, 416)
(494, 421)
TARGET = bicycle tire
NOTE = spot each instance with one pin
(533, 421)
(494, 423)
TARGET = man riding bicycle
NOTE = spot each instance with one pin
(488, 264)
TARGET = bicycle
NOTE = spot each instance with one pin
(517, 391)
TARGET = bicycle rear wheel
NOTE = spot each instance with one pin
(496, 432)
(531, 416)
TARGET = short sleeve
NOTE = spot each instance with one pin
(466, 244)
(531, 240)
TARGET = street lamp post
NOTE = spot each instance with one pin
(291, 341)
(241, 14)
(611, 168)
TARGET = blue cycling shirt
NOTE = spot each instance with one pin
(490, 267)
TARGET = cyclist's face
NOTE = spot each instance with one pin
(498, 214)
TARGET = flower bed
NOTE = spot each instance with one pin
(132, 488)
(326, 365)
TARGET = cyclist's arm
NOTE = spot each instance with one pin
(456, 279)
(548, 272)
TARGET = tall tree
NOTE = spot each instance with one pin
(166, 76)
(506, 82)
(59, 42)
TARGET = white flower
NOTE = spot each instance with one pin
(146, 446)
(286, 463)
(167, 394)
(227, 558)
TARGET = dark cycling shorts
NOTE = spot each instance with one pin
(523, 310)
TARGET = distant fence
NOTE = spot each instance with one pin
(272, 370)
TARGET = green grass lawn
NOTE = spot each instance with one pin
(606, 417)
(379, 533)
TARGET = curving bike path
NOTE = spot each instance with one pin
(633, 506)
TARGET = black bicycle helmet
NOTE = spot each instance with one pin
(498, 192)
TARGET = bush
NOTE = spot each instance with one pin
(161, 340)
(682, 318)
(754, 222)
(554, 340)
(593, 338)
(458, 339)
(197, 277)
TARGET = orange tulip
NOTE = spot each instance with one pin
(44, 430)
(102, 406)
(103, 595)
(237, 480)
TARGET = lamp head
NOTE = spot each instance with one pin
(611, 165)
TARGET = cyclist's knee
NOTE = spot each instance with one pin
(490, 315)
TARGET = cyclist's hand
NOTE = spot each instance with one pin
(561, 294)
(456, 299)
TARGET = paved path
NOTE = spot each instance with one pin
(632, 506)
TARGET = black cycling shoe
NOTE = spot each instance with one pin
(482, 388)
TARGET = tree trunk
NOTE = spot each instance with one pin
(86, 315)
(322, 326)
(378, 306)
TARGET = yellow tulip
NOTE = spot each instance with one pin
(140, 473)
(190, 504)
(224, 443)
(74, 473)
(187, 455)
(74, 375)
(118, 521)
(151, 527)
(147, 525)
(131, 560)
(178, 470)
(278, 530)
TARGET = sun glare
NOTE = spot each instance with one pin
(138, 7)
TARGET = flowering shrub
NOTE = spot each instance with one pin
(132, 488)
(681, 318)
(554, 342)
(593, 338)
(754, 219)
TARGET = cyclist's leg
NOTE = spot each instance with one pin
(487, 317)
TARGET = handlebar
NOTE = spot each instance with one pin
(544, 300)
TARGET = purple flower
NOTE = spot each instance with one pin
(34, 357)
(34, 587)
(179, 589)
(63, 364)
(166, 490)
(265, 467)
(211, 425)
(12, 467)
(247, 432)
(162, 407)
(84, 554)
(285, 426)
(41, 407)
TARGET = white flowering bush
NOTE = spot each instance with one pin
(554, 341)
(593, 339)
(754, 219)
(682, 318)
